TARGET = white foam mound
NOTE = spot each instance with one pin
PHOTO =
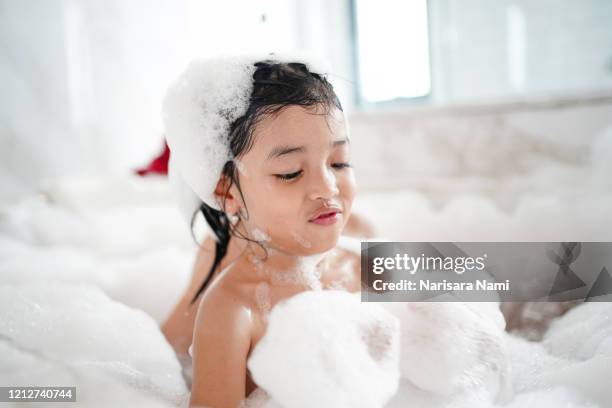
(74, 335)
(85, 233)
(592, 323)
(451, 354)
(453, 348)
(327, 349)
(199, 108)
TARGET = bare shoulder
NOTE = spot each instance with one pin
(223, 308)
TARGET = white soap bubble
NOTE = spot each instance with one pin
(309, 269)
(301, 240)
(259, 235)
(345, 272)
(329, 350)
(73, 334)
(452, 348)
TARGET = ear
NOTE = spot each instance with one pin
(226, 191)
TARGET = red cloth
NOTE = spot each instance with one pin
(159, 165)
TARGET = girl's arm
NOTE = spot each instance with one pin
(178, 328)
(221, 342)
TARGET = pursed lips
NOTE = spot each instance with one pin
(325, 212)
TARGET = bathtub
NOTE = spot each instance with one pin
(91, 266)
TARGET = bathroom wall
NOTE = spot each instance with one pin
(501, 150)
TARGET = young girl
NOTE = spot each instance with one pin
(271, 134)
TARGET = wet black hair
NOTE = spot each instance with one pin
(276, 85)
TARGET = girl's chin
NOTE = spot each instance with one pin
(311, 240)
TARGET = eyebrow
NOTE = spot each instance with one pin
(282, 150)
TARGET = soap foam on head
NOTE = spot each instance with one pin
(199, 108)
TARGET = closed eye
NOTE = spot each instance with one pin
(339, 166)
(288, 176)
(291, 176)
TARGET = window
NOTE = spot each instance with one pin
(391, 50)
(482, 51)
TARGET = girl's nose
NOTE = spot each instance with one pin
(323, 185)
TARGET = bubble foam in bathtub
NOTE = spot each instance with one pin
(328, 349)
(454, 350)
(59, 334)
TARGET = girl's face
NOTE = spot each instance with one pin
(296, 169)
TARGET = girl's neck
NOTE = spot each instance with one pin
(283, 269)
(279, 268)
